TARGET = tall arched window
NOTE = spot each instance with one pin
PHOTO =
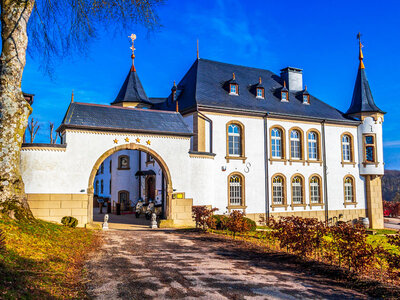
(346, 148)
(102, 187)
(234, 140)
(297, 190)
(276, 143)
(295, 144)
(315, 190)
(312, 146)
(349, 190)
(278, 190)
(236, 190)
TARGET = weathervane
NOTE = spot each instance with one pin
(133, 38)
(360, 55)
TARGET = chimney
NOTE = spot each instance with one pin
(293, 78)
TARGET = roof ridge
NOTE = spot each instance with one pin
(235, 65)
(126, 108)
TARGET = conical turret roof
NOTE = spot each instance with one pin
(132, 90)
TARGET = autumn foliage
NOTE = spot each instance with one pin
(203, 217)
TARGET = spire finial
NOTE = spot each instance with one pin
(259, 80)
(233, 76)
(72, 96)
(305, 88)
(284, 83)
(360, 55)
(133, 38)
(198, 56)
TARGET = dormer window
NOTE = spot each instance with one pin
(259, 89)
(284, 93)
(233, 89)
(260, 93)
(306, 96)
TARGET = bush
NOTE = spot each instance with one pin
(69, 222)
(251, 223)
(301, 235)
(204, 217)
(220, 222)
(237, 222)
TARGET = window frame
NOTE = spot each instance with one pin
(243, 192)
(302, 181)
(284, 191)
(321, 195)
(352, 156)
(319, 155)
(283, 144)
(262, 93)
(236, 93)
(287, 96)
(365, 145)
(301, 140)
(242, 155)
(119, 162)
(354, 202)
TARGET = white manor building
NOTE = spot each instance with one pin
(227, 136)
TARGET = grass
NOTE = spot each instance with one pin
(43, 260)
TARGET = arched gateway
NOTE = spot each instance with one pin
(131, 146)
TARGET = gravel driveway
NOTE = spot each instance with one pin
(160, 264)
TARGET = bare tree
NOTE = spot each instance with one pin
(33, 128)
(56, 29)
(52, 140)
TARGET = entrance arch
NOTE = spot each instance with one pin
(131, 146)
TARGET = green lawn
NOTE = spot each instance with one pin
(43, 260)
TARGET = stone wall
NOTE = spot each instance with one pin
(374, 200)
(52, 207)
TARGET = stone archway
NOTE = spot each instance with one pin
(131, 146)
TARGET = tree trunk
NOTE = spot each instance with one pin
(14, 109)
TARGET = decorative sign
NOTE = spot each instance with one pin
(127, 139)
(137, 140)
(115, 141)
(247, 168)
(148, 142)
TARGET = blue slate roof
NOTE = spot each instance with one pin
(204, 86)
(115, 118)
(132, 90)
(362, 100)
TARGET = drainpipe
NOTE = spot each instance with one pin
(266, 181)
(325, 172)
(140, 177)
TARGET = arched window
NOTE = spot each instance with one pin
(101, 186)
(234, 140)
(276, 143)
(295, 144)
(297, 190)
(315, 190)
(236, 190)
(312, 146)
(346, 148)
(349, 190)
(278, 191)
(123, 162)
(102, 168)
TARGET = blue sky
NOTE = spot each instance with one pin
(317, 36)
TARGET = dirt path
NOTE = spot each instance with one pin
(168, 264)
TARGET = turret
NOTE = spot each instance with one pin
(370, 144)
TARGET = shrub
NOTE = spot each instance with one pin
(393, 259)
(350, 244)
(237, 222)
(220, 222)
(252, 224)
(69, 222)
(2, 241)
(301, 235)
(204, 217)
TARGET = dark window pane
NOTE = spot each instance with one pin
(369, 152)
(369, 139)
